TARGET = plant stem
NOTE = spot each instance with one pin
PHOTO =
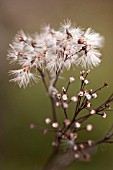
(43, 79)
(58, 160)
(53, 109)
(56, 78)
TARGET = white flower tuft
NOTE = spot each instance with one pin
(55, 50)
(23, 77)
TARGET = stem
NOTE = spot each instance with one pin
(53, 109)
(56, 78)
(43, 79)
(51, 98)
(67, 86)
(58, 160)
(110, 99)
(100, 88)
(48, 165)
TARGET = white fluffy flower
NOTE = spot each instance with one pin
(93, 38)
(91, 59)
(22, 42)
(12, 54)
(53, 50)
(22, 77)
(65, 25)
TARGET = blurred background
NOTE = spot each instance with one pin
(22, 148)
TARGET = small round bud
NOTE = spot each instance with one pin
(63, 89)
(94, 95)
(88, 105)
(64, 97)
(82, 72)
(67, 122)
(88, 96)
(91, 90)
(88, 71)
(65, 105)
(45, 131)
(47, 120)
(32, 126)
(81, 41)
(89, 127)
(86, 81)
(104, 115)
(81, 146)
(58, 104)
(90, 142)
(21, 39)
(107, 106)
(86, 157)
(75, 148)
(73, 135)
(58, 96)
(81, 78)
(92, 112)
(71, 79)
(106, 84)
(77, 125)
(54, 94)
(74, 99)
(54, 143)
(77, 156)
(81, 93)
(55, 124)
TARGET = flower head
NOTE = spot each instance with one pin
(54, 51)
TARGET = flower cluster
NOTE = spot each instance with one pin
(68, 131)
(53, 51)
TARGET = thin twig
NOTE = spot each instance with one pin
(67, 86)
(43, 79)
(56, 78)
(53, 109)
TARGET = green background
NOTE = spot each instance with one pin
(20, 147)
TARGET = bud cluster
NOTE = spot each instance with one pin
(68, 130)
